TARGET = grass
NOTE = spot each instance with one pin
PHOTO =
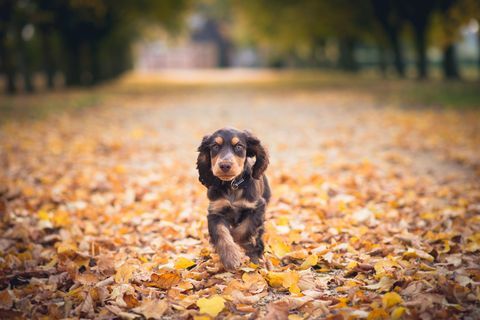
(38, 106)
(440, 94)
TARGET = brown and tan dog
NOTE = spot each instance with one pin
(238, 192)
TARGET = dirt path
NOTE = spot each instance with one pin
(375, 208)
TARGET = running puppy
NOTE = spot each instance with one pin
(238, 192)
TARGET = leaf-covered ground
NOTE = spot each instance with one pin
(375, 210)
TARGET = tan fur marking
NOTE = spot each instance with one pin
(219, 140)
(229, 252)
(239, 232)
(240, 162)
(219, 204)
(244, 204)
(235, 140)
(214, 161)
(259, 185)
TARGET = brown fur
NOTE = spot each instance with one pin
(229, 252)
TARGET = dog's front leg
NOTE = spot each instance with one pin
(229, 252)
(249, 233)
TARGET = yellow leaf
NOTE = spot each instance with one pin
(183, 263)
(211, 306)
(391, 299)
(416, 253)
(352, 265)
(283, 221)
(311, 261)
(288, 280)
(384, 267)
(124, 273)
(275, 279)
(377, 314)
(473, 243)
(61, 219)
(397, 313)
(279, 247)
(342, 303)
(43, 215)
(295, 317)
(66, 248)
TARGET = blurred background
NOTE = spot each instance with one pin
(53, 44)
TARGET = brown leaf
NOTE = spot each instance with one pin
(6, 299)
(152, 309)
(277, 310)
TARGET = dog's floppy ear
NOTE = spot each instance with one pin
(204, 164)
(255, 149)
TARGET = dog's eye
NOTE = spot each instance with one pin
(215, 147)
(238, 148)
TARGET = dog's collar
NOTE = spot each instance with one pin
(235, 184)
(239, 180)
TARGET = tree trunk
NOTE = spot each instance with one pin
(449, 63)
(382, 61)
(8, 67)
(398, 60)
(346, 56)
(95, 62)
(72, 68)
(421, 50)
(48, 65)
(386, 14)
(24, 64)
(317, 57)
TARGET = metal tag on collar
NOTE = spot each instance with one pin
(235, 185)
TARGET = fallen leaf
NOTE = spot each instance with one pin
(417, 253)
(183, 263)
(6, 299)
(152, 309)
(279, 247)
(397, 313)
(288, 280)
(164, 280)
(310, 261)
(391, 299)
(124, 273)
(277, 310)
(211, 306)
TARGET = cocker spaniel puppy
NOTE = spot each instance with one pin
(238, 192)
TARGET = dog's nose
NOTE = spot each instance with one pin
(225, 166)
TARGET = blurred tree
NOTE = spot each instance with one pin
(94, 36)
(392, 24)
(290, 28)
(45, 20)
(6, 52)
(419, 14)
(448, 23)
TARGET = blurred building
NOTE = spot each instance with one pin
(205, 47)
(191, 55)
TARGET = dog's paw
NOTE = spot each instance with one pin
(232, 258)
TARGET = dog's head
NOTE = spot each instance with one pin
(224, 154)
